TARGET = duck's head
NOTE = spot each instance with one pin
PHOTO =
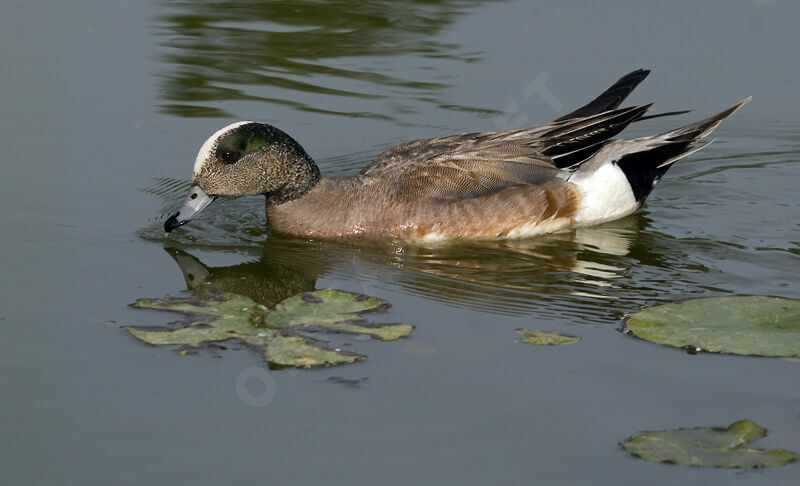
(243, 159)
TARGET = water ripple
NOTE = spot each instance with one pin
(216, 51)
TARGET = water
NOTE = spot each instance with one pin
(105, 105)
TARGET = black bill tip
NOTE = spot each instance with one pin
(194, 203)
(172, 223)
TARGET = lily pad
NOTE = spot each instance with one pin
(276, 333)
(708, 447)
(746, 325)
(544, 338)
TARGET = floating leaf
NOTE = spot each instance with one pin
(708, 447)
(274, 332)
(335, 310)
(544, 338)
(747, 325)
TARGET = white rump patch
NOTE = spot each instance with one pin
(605, 194)
(211, 143)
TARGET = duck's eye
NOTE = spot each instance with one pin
(229, 156)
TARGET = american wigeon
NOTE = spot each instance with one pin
(508, 184)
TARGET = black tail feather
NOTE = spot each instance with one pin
(572, 143)
(659, 115)
(700, 129)
(611, 98)
(644, 169)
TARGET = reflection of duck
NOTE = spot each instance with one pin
(552, 273)
(276, 276)
(567, 173)
(584, 273)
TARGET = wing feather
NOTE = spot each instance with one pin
(479, 164)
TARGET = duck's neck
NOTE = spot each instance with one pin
(302, 174)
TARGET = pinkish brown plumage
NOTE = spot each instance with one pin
(337, 208)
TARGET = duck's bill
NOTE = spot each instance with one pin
(195, 202)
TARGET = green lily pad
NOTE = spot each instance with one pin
(708, 447)
(274, 332)
(746, 325)
(544, 338)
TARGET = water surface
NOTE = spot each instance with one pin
(105, 105)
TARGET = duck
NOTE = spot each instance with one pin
(565, 174)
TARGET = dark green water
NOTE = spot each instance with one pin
(104, 105)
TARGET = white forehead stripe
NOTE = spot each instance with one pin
(211, 143)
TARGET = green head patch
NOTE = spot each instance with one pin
(246, 139)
